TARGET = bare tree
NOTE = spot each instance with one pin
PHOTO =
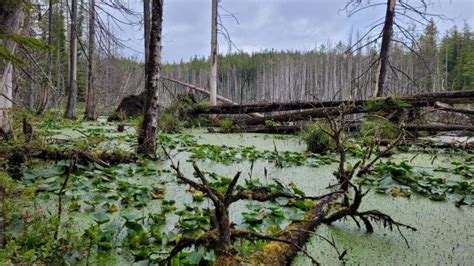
(387, 34)
(407, 12)
(146, 27)
(147, 138)
(213, 56)
(49, 70)
(72, 98)
(90, 113)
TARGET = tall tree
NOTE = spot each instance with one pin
(147, 138)
(11, 21)
(72, 97)
(398, 14)
(90, 113)
(387, 34)
(146, 28)
(213, 56)
(49, 68)
(426, 65)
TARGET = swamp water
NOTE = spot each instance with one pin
(444, 235)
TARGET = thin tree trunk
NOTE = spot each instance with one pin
(213, 56)
(45, 96)
(146, 27)
(385, 49)
(147, 138)
(72, 98)
(90, 98)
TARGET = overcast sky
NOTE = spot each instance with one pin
(270, 24)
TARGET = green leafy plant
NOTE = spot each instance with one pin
(316, 138)
(378, 127)
(225, 124)
(169, 123)
(400, 179)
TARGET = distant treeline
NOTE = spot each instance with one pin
(332, 72)
(329, 72)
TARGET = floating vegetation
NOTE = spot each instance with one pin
(228, 155)
(400, 179)
(139, 212)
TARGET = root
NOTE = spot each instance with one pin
(384, 219)
(367, 216)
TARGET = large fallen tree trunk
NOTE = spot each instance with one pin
(351, 127)
(375, 105)
(18, 156)
(298, 233)
(448, 108)
(201, 90)
(102, 158)
(426, 98)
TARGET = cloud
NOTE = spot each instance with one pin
(272, 24)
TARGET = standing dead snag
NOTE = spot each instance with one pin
(213, 55)
(147, 138)
(387, 33)
(405, 10)
(90, 98)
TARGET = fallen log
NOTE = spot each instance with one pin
(446, 97)
(103, 158)
(351, 127)
(438, 128)
(447, 108)
(281, 253)
(350, 109)
(201, 90)
(263, 129)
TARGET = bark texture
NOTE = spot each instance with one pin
(72, 97)
(432, 98)
(11, 22)
(373, 105)
(147, 138)
(90, 99)
(213, 56)
(279, 253)
(204, 91)
(387, 34)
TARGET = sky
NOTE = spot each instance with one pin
(270, 24)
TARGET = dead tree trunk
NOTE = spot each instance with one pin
(90, 98)
(378, 105)
(45, 95)
(72, 97)
(232, 108)
(297, 233)
(11, 21)
(385, 49)
(202, 90)
(146, 29)
(147, 138)
(213, 56)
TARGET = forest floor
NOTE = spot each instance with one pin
(131, 203)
